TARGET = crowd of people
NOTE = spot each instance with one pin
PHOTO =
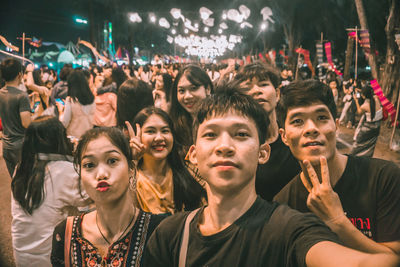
(194, 165)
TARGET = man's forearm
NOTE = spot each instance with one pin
(353, 238)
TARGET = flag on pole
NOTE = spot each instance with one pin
(320, 53)
(35, 42)
(307, 60)
(118, 54)
(386, 104)
(364, 42)
(328, 52)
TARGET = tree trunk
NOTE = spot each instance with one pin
(364, 26)
(349, 58)
(292, 44)
(390, 79)
(92, 26)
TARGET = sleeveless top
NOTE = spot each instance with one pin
(378, 116)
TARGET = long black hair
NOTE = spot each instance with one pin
(46, 134)
(187, 192)
(78, 88)
(133, 95)
(183, 119)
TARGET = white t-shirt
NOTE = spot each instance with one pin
(32, 234)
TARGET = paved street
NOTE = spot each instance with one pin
(345, 137)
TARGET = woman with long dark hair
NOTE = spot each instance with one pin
(44, 187)
(164, 184)
(367, 131)
(79, 105)
(192, 84)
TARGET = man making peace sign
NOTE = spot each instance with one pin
(358, 198)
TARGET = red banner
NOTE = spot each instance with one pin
(328, 52)
(386, 104)
(306, 55)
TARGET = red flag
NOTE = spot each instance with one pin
(328, 52)
(306, 55)
(260, 55)
(386, 104)
(248, 59)
(118, 54)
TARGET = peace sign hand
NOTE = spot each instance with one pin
(322, 200)
(134, 141)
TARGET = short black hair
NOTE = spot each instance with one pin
(259, 70)
(10, 68)
(304, 93)
(228, 98)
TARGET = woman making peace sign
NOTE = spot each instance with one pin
(164, 184)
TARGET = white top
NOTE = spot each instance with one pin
(32, 234)
(78, 118)
(378, 116)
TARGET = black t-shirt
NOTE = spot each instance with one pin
(280, 169)
(265, 235)
(12, 102)
(369, 191)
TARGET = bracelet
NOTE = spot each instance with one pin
(336, 218)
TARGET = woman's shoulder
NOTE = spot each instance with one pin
(62, 167)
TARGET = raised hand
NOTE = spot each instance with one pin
(322, 200)
(134, 141)
(30, 68)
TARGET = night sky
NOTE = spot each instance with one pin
(53, 20)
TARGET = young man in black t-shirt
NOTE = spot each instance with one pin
(238, 228)
(358, 198)
(261, 82)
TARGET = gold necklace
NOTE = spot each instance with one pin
(105, 239)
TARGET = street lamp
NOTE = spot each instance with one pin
(263, 26)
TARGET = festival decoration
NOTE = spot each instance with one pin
(35, 42)
(266, 12)
(239, 16)
(9, 45)
(134, 17)
(205, 13)
(386, 104)
(65, 57)
(223, 26)
(94, 50)
(328, 51)
(176, 13)
(164, 23)
(320, 53)
(306, 55)
(245, 11)
(207, 47)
